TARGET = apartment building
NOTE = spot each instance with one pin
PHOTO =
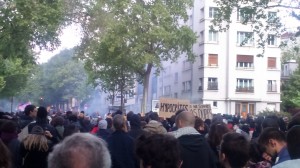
(225, 74)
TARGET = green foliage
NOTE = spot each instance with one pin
(256, 13)
(145, 33)
(291, 51)
(291, 92)
(268, 112)
(14, 75)
(58, 80)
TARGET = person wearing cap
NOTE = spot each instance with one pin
(102, 130)
(35, 148)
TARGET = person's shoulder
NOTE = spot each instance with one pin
(288, 164)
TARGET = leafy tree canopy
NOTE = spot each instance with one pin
(263, 15)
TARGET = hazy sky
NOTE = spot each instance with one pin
(70, 37)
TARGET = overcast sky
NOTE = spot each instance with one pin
(70, 37)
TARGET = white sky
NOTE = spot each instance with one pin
(69, 38)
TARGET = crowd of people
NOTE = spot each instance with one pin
(37, 139)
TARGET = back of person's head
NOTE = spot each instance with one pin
(5, 156)
(159, 151)
(36, 140)
(135, 121)
(81, 150)
(293, 142)
(255, 152)
(109, 123)
(117, 112)
(271, 133)
(70, 129)
(185, 119)
(28, 109)
(102, 124)
(129, 115)
(178, 112)
(119, 122)
(57, 121)
(234, 150)
(73, 118)
(216, 132)
(41, 116)
(295, 121)
(199, 123)
(8, 127)
(270, 122)
(154, 116)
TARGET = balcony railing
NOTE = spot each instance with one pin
(212, 86)
(272, 88)
(245, 89)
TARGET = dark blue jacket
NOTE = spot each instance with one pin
(121, 147)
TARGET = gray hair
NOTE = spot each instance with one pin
(81, 149)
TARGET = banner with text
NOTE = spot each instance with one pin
(168, 106)
(203, 111)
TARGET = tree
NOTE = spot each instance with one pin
(291, 52)
(291, 92)
(149, 32)
(255, 12)
(58, 80)
(26, 24)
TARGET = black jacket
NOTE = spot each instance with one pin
(195, 152)
(121, 147)
(24, 120)
(103, 134)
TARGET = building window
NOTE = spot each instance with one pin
(176, 77)
(187, 65)
(271, 62)
(215, 103)
(213, 36)
(244, 61)
(243, 16)
(201, 60)
(186, 86)
(272, 16)
(244, 109)
(272, 86)
(244, 85)
(201, 37)
(191, 21)
(272, 40)
(202, 14)
(213, 12)
(244, 38)
(212, 84)
(200, 84)
(212, 59)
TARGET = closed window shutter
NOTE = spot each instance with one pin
(271, 62)
(213, 59)
(244, 58)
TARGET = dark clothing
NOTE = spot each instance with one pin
(46, 127)
(103, 133)
(24, 121)
(136, 132)
(121, 147)
(34, 158)
(195, 152)
(13, 144)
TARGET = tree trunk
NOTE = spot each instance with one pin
(146, 87)
(122, 97)
(11, 105)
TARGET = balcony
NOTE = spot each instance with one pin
(245, 89)
(272, 88)
(212, 86)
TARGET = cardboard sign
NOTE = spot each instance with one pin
(203, 111)
(155, 106)
(168, 107)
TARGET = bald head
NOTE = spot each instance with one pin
(185, 119)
